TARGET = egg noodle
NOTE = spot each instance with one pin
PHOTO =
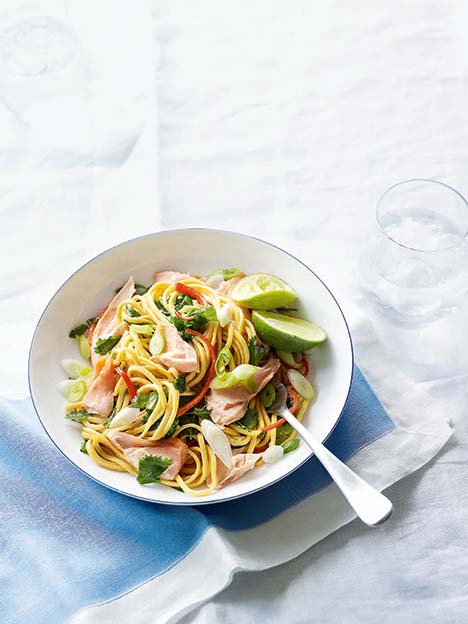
(199, 474)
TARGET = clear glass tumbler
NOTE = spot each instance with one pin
(414, 274)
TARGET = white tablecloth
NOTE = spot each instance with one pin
(287, 120)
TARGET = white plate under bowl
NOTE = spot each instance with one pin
(196, 251)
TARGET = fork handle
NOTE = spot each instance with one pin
(370, 505)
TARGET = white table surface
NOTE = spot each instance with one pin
(287, 120)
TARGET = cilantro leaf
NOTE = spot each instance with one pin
(199, 318)
(83, 448)
(283, 432)
(78, 416)
(180, 384)
(140, 289)
(195, 415)
(182, 300)
(256, 351)
(104, 345)
(79, 330)
(290, 445)
(145, 401)
(171, 431)
(201, 412)
(133, 313)
(249, 420)
(151, 467)
(160, 305)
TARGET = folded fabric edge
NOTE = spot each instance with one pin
(211, 565)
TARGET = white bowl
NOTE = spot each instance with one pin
(196, 251)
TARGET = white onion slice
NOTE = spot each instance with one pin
(215, 280)
(218, 441)
(158, 341)
(225, 315)
(126, 416)
(65, 385)
(74, 368)
(273, 454)
(301, 384)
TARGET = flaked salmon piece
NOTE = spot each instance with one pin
(107, 324)
(230, 404)
(134, 448)
(178, 353)
(169, 276)
(241, 463)
(226, 287)
(100, 397)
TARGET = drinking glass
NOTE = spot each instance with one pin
(414, 275)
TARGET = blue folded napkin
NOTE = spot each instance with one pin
(68, 542)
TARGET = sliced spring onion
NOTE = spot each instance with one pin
(76, 392)
(268, 395)
(301, 384)
(273, 454)
(74, 368)
(83, 347)
(158, 341)
(218, 441)
(223, 359)
(225, 315)
(242, 374)
(146, 330)
(65, 385)
(215, 280)
(288, 358)
(126, 416)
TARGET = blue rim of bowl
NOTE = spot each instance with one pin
(190, 503)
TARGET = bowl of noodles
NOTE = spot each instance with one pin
(156, 367)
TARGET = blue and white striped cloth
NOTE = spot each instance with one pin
(69, 543)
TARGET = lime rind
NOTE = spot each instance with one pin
(287, 333)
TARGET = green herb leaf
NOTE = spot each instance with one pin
(79, 330)
(180, 384)
(140, 289)
(83, 448)
(256, 351)
(201, 412)
(104, 345)
(199, 319)
(132, 312)
(290, 445)
(160, 305)
(151, 467)
(145, 401)
(249, 420)
(78, 416)
(182, 300)
(171, 431)
(283, 432)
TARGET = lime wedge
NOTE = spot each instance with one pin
(263, 292)
(287, 333)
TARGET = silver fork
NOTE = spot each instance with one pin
(371, 506)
